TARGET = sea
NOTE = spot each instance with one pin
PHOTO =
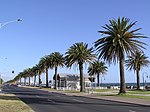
(127, 84)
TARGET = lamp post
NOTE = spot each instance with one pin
(102, 80)
(5, 23)
(143, 75)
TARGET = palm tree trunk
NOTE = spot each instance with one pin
(122, 78)
(20, 81)
(98, 83)
(25, 81)
(82, 86)
(138, 79)
(34, 79)
(29, 80)
(39, 79)
(46, 77)
(55, 77)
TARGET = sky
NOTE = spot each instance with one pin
(54, 25)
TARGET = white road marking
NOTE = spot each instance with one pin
(37, 96)
(51, 100)
(132, 111)
(78, 100)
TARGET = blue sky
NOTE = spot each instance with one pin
(54, 25)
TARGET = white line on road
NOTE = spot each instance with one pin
(51, 101)
(37, 96)
(78, 100)
(131, 111)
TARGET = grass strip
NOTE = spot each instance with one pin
(138, 92)
(10, 103)
(127, 96)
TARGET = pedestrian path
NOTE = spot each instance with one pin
(110, 96)
(101, 96)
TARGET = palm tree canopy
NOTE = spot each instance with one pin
(97, 67)
(118, 39)
(79, 53)
(45, 63)
(57, 59)
(137, 61)
(38, 68)
(28, 72)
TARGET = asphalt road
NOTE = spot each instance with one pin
(43, 101)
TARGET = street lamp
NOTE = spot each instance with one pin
(102, 80)
(143, 75)
(5, 23)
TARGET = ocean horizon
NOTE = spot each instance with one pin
(118, 84)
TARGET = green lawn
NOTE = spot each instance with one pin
(134, 96)
(10, 103)
(105, 90)
(138, 92)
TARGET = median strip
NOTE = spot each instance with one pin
(9, 102)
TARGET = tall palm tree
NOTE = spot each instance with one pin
(119, 40)
(97, 68)
(39, 71)
(137, 61)
(34, 73)
(24, 75)
(20, 76)
(45, 64)
(78, 54)
(57, 59)
(28, 73)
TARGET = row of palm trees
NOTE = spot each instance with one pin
(117, 42)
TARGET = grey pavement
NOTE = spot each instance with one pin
(103, 95)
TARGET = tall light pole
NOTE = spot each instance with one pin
(144, 79)
(5, 23)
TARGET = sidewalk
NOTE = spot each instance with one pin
(103, 96)
(145, 102)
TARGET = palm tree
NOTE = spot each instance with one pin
(78, 54)
(57, 59)
(34, 71)
(24, 75)
(45, 64)
(98, 68)
(19, 76)
(119, 40)
(28, 73)
(137, 61)
(39, 72)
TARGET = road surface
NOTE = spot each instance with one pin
(43, 101)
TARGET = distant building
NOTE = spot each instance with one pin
(72, 81)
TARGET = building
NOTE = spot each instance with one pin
(72, 81)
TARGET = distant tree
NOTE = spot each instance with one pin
(38, 71)
(78, 54)
(97, 68)
(45, 64)
(57, 60)
(119, 40)
(1, 81)
(137, 61)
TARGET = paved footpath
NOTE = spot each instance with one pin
(110, 98)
